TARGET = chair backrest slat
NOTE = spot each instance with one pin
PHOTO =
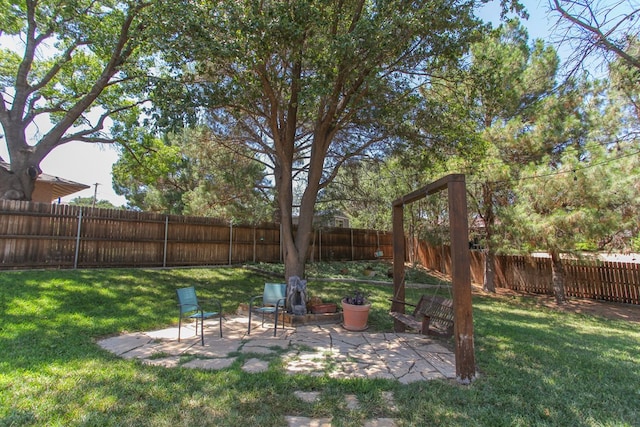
(274, 292)
(188, 300)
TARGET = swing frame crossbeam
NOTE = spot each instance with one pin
(455, 186)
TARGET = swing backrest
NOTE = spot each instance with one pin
(437, 308)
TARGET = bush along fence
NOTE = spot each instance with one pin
(39, 235)
(591, 279)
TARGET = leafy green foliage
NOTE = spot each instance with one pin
(89, 201)
(192, 172)
(588, 197)
(308, 86)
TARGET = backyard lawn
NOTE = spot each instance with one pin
(536, 366)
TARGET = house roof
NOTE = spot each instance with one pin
(60, 187)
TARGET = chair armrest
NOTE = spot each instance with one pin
(197, 307)
(216, 302)
(253, 299)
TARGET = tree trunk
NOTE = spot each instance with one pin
(294, 265)
(557, 278)
(489, 284)
(296, 241)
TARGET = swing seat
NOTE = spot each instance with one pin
(433, 315)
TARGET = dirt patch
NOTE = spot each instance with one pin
(609, 310)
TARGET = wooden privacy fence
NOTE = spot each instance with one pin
(38, 235)
(592, 279)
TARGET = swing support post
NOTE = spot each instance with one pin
(460, 270)
(399, 255)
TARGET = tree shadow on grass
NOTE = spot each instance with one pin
(58, 375)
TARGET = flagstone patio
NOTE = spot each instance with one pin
(317, 350)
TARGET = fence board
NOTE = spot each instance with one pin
(42, 235)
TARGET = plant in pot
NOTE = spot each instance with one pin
(355, 311)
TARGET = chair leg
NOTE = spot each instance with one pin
(220, 318)
(201, 327)
(179, 326)
(275, 322)
(424, 329)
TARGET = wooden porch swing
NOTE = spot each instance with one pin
(460, 270)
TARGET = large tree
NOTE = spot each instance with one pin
(586, 200)
(65, 68)
(310, 85)
(509, 102)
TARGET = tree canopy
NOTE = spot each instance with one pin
(191, 172)
(590, 28)
(65, 68)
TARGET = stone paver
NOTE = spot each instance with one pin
(124, 343)
(390, 400)
(165, 362)
(316, 350)
(381, 422)
(214, 364)
(352, 401)
(255, 365)
(307, 422)
(307, 396)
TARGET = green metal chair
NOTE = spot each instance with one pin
(191, 308)
(273, 300)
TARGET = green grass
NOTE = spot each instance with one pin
(536, 366)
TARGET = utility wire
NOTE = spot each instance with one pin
(559, 172)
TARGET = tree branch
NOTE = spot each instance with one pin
(84, 135)
(595, 30)
(118, 57)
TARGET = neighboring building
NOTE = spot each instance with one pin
(50, 188)
(339, 221)
(328, 219)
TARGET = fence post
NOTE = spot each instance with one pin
(319, 244)
(353, 249)
(166, 237)
(230, 240)
(75, 259)
(254, 244)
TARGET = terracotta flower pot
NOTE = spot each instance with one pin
(355, 317)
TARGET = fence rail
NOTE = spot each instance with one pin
(37, 235)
